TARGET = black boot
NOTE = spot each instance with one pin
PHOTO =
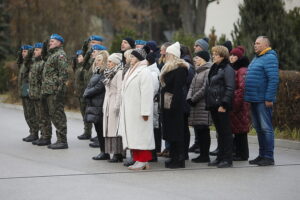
(215, 152)
(95, 144)
(201, 159)
(43, 142)
(30, 138)
(94, 139)
(84, 137)
(117, 158)
(58, 145)
(102, 156)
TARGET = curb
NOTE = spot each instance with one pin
(251, 139)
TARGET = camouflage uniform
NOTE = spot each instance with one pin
(80, 86)
(53, 90)
(35, 83)
(28, 106)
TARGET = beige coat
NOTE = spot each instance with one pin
(137, 101)
(111, 105)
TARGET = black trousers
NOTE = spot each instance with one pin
(240, 145)
(225, 140)
(202, 139)
(177, 151)
(187, 135)
(99, 130)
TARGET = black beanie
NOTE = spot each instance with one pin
(204, 55)
(130, 41)
(228, 45)
(151, 58)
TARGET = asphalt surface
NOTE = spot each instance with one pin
(29, 172)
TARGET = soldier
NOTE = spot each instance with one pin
(35, 83)
(79, 90)
(87, 63)
(24, 59)
(53, 89)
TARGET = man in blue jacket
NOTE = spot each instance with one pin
(261, 87)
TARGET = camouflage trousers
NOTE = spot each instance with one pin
(87, 126)
(30, 116)
(54, 105)
(43, 119)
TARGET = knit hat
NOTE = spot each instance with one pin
(151, 58)
(96, 37)
(203, 43)
(152, 45)
(174, 49)
(26, 47)
(130, 41)
(57, 37)
(98, 47)
(204, 55)
(140, 42)
(141, 53)
(238, 51)
(115, 58)
(228, 45)
(38, 45)
(79, 52)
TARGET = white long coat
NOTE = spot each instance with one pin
(111, 105)
(137, 101)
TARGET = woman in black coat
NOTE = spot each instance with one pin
(94, 96)
(219, 96)
(173, 79)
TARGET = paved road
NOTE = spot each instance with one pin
(29, 172)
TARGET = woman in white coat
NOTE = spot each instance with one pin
(111, 106)
(136, 112)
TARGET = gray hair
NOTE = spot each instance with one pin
(265, 39)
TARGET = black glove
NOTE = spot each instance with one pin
(191, 103)
(19, 57)
(85, 47)
(45, 50)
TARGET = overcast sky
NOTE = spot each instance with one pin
(223, 15)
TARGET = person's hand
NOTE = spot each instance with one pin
(221, 109)
(269, 104)
(145, 118)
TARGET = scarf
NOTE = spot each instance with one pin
(110, 73)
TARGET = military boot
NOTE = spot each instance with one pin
(58, 145)
(84, 136)
(35, 141)
(30, 138)
(43, 142)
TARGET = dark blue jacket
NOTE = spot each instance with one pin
(262, 78)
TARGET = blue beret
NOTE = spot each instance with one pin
(98, 47)
(79, 52)
(57, 37)
(38, 45)
(140, 42)
(26, 47)
(96, 37)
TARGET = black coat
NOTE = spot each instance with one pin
(172, 119)
(94, 97)
(220, 86)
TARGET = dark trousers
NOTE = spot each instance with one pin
(177, 151)
(99, 130)
(240, 143)
(187, 135)
(222, 124)
(202, 139)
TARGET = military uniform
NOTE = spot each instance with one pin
(35, 83)
(80, 85)
(53, 91)
(28, 105)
